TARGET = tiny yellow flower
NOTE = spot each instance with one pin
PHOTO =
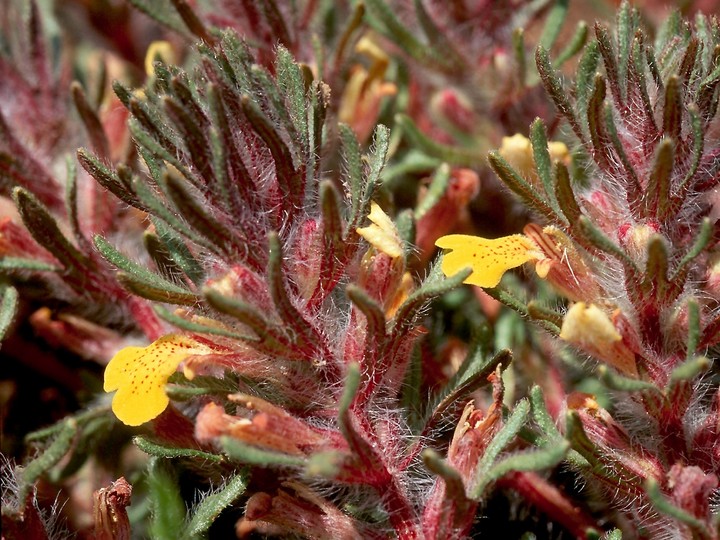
(139, 374)
(517, 151)
(488, 259)
(382, 233)
(162, 50)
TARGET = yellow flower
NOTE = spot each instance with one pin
(589, 328)
(517, 151)
(488, 259)
(382, 233)
(139, 374)
(162, 50)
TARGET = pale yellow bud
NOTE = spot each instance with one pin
(589, 328)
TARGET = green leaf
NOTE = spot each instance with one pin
(383, 18)
(437, 189)
(665, 506)
(565, 195)
(701, 241)
(615, 381)
(584, 77)
(179, 252)
(433, 286)
(689, 369)
(693, 318)
(50, 457)
(541, 156)
(502, 439)
(271, 340)
(190, 326)
(576, 43)
(8, 309)
(107, 178)
(541, 459)
(90, 120)
(554, 87)
(454, 155)
(163, 12)
(554, 23)
(143, 280)
(598, 239)
(527, 193)
(10, 264)
(657, 195)
(168, 508)
(292, 85)
(472, 375)
(252, 455)
(172, 452)
(672, 109)
(205, 513)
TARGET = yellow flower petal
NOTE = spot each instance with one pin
(489, 259)
(139, 375)
(382, 233)
(159, 49)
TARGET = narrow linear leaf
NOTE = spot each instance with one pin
(574, 46)
(553, 23)
(168, 508)
(607, 51)
(630, 178)
(701, 241)
(205, 513)
(460, 388)
(615, 381)
(522, 188)
(657, 197)
(252, 455)
(192, 21)
(172, 452)
(554, 87)
(107, 178)
(598, 239)
(8, 309)
(50, 457)
(672, 109)
(199, 328)
(541, 459)
(10, 264)
(305, 333)
(666, 506)
(196, 212)
(451, 154)
(433, 286)
(437, 189)
(46, 232)
(270, 338)
(162, 12)
(584, 76)
(141, 278)
(454, 485)
(565, 195)
(693, 318)
(89, 118)
(502, 439)
(689, 370)
(541, 156)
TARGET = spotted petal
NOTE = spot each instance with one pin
(488, 259)
(139, 374)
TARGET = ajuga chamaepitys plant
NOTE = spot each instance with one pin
(259, 281)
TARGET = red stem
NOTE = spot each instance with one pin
(539, 492)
